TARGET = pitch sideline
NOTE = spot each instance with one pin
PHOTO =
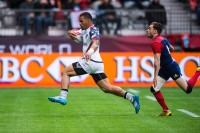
(188, 112)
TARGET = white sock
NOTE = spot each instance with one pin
(128, 96)
(63, 93)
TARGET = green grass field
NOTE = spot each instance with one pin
(89, 110)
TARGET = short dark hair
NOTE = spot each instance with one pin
(157, 26)
(86, 15)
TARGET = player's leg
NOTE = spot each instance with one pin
(71, 70)
(159, 96)
(106, 87)
(192, 81)
(181, 82)
(104, 84)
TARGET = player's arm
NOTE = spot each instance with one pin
(156, 67)
(171, 47)
(94, 45)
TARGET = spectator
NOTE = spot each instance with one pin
(72, 5)
(84, 4)
(198, 12)
(127, 4)
(66, 4)
(177, 44)
(14, 4)
(156, 12)
(56, 4)
(27, 15)
(43, 17)
(116, 4)
(96, 4)
(108, 15)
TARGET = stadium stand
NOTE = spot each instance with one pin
(180, 19)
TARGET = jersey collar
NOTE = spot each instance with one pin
(89, 28)
(156, 37)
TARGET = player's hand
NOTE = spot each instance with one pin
(87, 56)
(71, 34)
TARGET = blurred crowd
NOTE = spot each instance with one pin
(37, 15)
(42, 13)
(197, 10)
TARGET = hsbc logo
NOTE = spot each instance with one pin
(13, 70)
(54, 70)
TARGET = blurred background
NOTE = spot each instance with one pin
(181, 18)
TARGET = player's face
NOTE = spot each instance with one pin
(150, 31)
(84, 22)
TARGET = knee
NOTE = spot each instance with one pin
(64, 72)
(152, 89)
(107, 89)
(189, 90)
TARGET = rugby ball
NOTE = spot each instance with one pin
(78, 34)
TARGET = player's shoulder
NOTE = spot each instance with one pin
(158, 38)
(94, 28)
(94, 31)
(157, 42)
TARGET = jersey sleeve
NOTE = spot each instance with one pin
(167, 42)
(94, 34)
(156, 47)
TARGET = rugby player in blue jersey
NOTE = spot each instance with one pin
(165, 67)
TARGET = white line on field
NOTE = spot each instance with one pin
(188, 112)
(151, 98)
(131, 90)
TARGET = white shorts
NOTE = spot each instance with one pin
(92, 66)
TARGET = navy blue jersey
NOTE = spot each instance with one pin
(161, 45)
(169, 68)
